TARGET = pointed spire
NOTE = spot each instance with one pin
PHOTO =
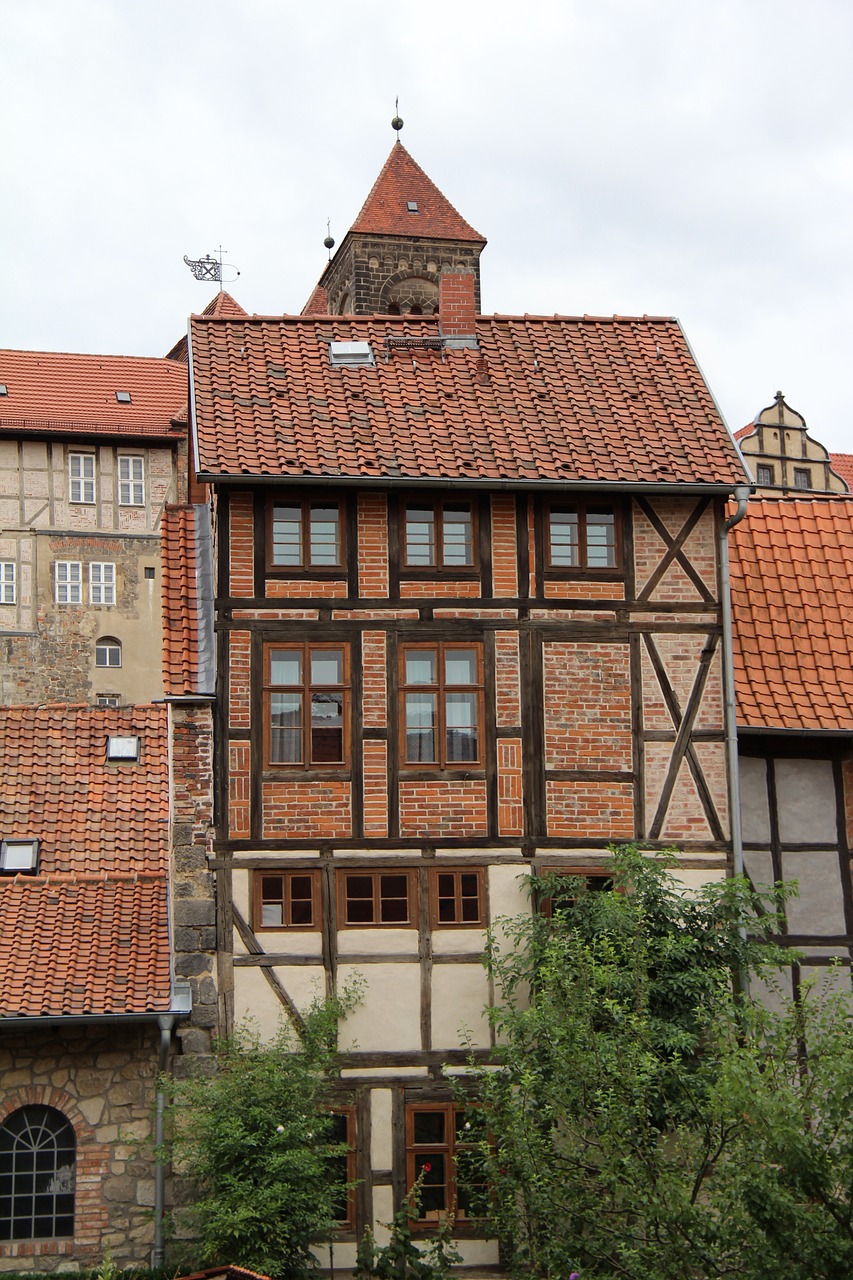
(404, 201)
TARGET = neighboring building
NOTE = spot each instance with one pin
(469, 624)
(792, 604)
(783, 457)
(91, 450)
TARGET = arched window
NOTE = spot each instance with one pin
(37, 1160)
(108, 652)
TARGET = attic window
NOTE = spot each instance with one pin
(350, 355)
(123, 397)
(412, 206)
(18, 855)
(123, 748)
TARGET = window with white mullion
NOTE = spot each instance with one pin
(81, 477)
(131, 480)
(68, 582)
(8, 582)
(102, 583)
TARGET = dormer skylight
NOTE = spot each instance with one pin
(123, 750)
(18, 856)
(412, 206)
(123, 397)
(350, 355)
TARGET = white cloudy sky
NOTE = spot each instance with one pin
(660, 156)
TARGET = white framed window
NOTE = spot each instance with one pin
(7, 582)
(81, 477)
(108, 652)
(131, 480)
(102, 582)
(69, 582)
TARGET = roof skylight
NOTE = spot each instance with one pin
(18, 855)
(350, 354)
(412, 206)
(123, 397)
(4, 390)
(123, 748)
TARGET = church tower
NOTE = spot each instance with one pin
(391, 258)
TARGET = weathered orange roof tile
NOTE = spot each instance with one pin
(558, 398)
(842, 465)
(792, 611)
(50, 392)
(386, 212)
(220, 305)
(179, 601)
(318, 303)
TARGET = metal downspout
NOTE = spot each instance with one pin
(166, 1022)
(741, 494)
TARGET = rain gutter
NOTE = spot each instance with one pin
(470, 482)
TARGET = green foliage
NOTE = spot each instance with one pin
(254, 1138)
(648, 1120)
(401, 1258)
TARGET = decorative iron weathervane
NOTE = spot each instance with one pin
(210, 268)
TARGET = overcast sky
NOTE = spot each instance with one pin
(666, 157)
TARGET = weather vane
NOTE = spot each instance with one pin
(210, 268)
(397, 123)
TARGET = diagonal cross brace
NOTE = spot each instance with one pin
(674, 549)
(254, 948)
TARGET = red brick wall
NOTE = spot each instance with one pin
(242, 545)
(239, 790)
(375, 773)
(594, 810)
(372, 545)
(510, 809)
(504, 546)
(297, 810)
(436, 809)
(587, 706)
(239, 679)
(374, 680)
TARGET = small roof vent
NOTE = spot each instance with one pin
(19, 855)
(350, 354)
(125, 749)
(123, 397)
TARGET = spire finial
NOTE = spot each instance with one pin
(329, 242)
(397, 123)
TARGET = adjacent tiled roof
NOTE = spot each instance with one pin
(220, 305)
(52, 392)
(385, 210)
(792, 606)
(842, 465)
(88, 934)
(543, 398)
(55, 783)
(179, 601)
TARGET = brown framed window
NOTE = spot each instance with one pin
(376, 898)
(286, 899)
(436, 1139)
(802, 478)
(764, 473)
(438, 535)
(579, 880)
(441, 704)
(304, 534)
(342, 1167)
(306, 705)
(456, 896)
(581, 535)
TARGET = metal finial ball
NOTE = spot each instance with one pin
(397, 124)
(329, 242)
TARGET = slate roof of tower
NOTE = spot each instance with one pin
(54, 392)
(792, 605)
(386, 212)
(87, 934)
(569, 399)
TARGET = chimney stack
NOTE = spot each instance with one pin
(457, 309)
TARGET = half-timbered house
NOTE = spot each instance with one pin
(470, 623)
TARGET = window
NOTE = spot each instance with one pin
(287, 900)
(456, 896)
(306, 695)
(37, 1163)
(435, 1140)
(108, 652)
(438, 535)
(764, 474)
(102, 583)
(81, 477)
(441, 703)
(304, 535)
(582, 536)
(579, 880)
(123, 748)
(802, 478)
(18, 855)
(375, 898)
(107, 700)
(69, 582)
(131, 481)
(7, 582)
(343, 1172)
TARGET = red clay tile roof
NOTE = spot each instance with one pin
(89, 933)
(318, 303)
(90, 816)
(179, 601)
(385, 213)
(51, 392)
(842, 465)
(559, 399)
(220, 305)
(792, 606)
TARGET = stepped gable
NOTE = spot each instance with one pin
(401, 181)
(180, 601)
(52, 392)
(792, 601)
(580, 400)
(221, 305)
(88, 933)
